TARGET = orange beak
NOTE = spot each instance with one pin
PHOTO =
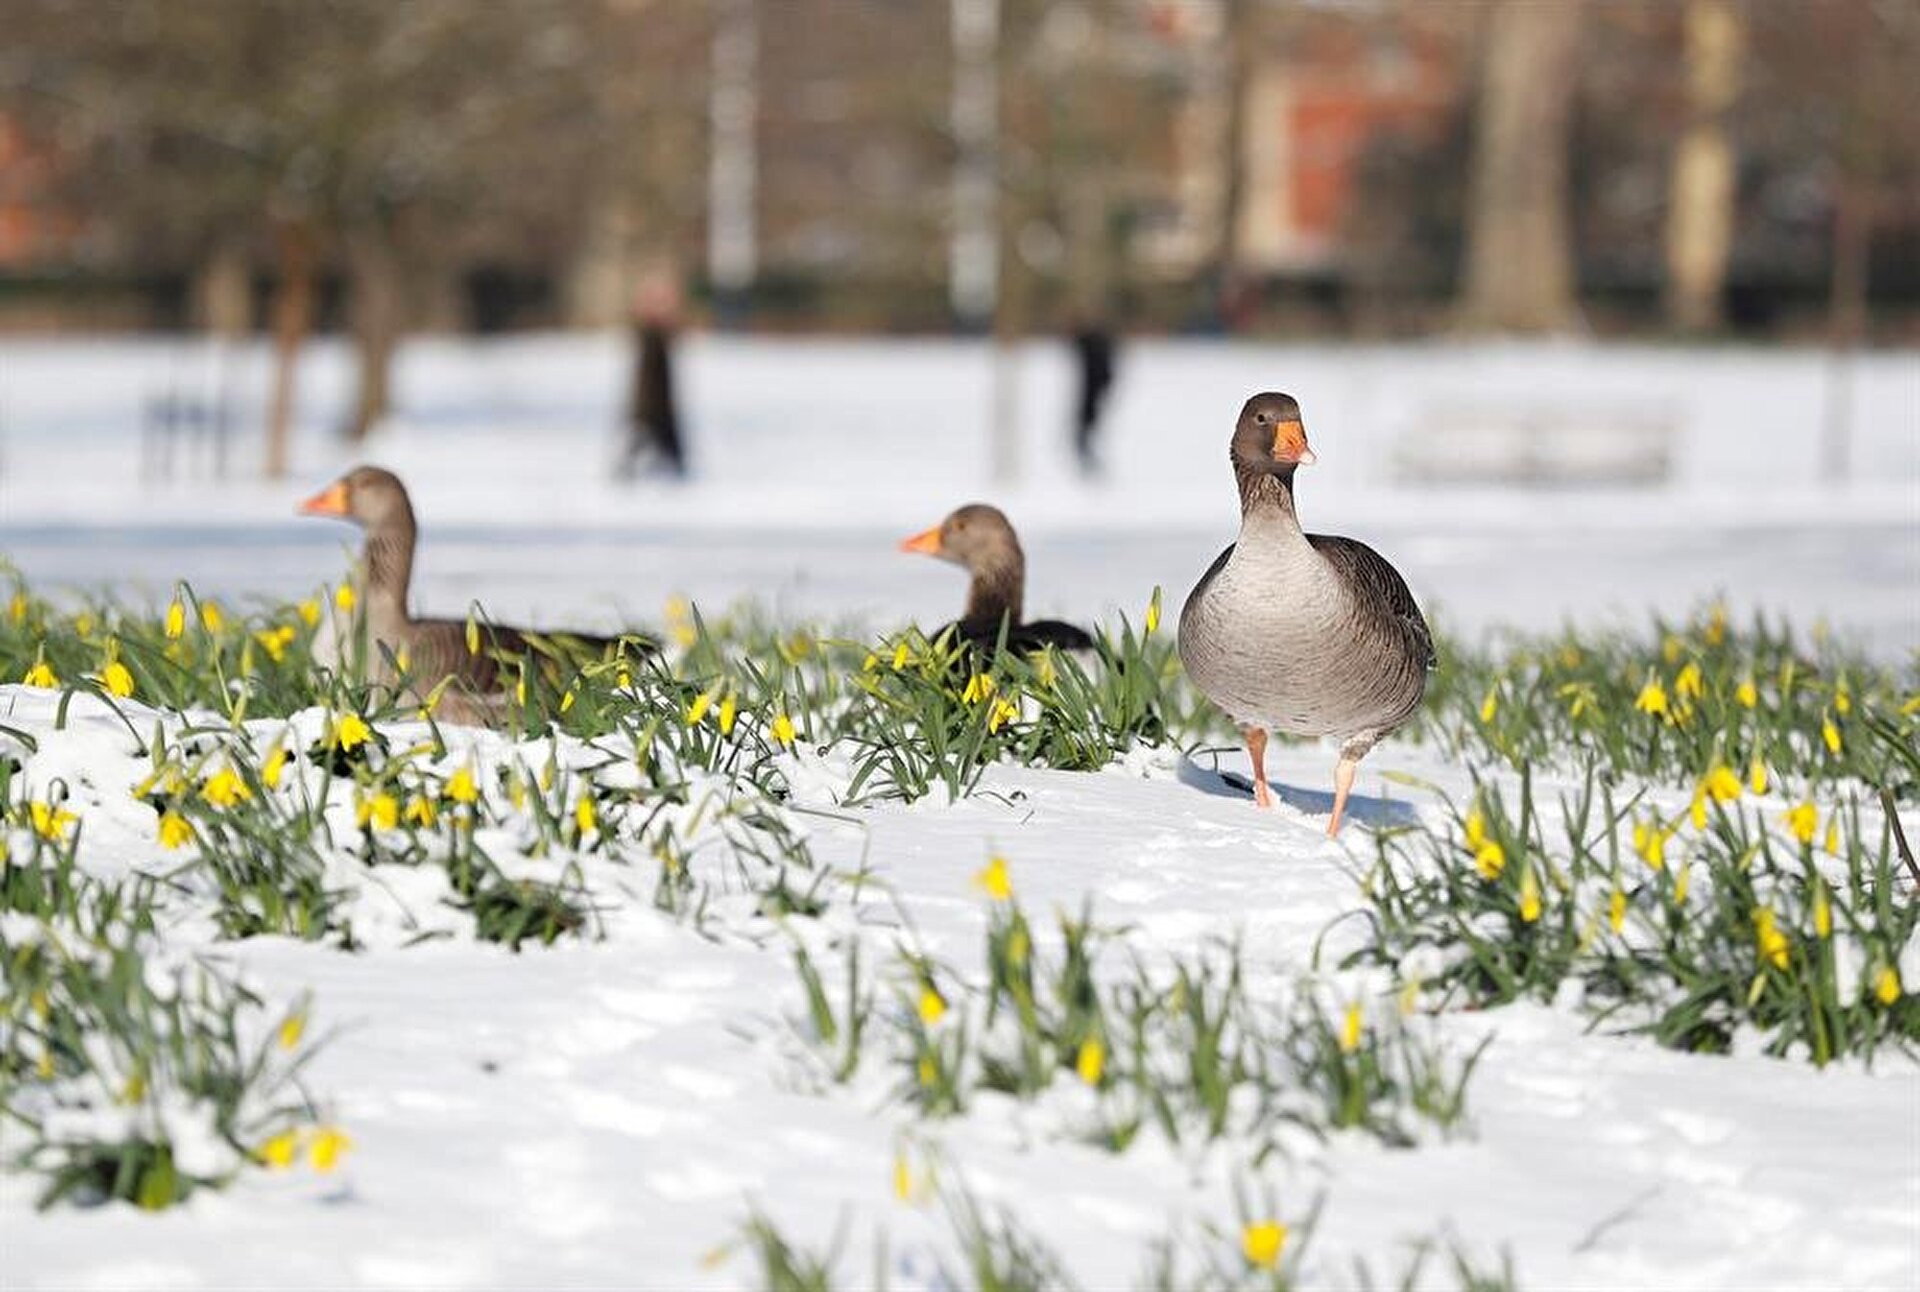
(927, 541)
(331, 501)
(1290, 444)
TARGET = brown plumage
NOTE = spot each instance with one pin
(981, 539)
(1308, 634)
(434, 650)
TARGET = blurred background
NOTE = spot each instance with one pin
(1553, 267)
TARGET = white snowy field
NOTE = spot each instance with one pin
(812, 457)
(605, 1113)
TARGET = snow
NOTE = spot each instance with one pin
(604, 1113)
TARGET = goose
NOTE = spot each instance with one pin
(1307, 634)
(432, 649)
(980, 538)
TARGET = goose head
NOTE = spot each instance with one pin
(976, 536)
(370, 497)
(1270, 438)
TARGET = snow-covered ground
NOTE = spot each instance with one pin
(813, 457)
(604, 1113)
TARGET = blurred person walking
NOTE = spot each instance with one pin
(653, 418)
(1093, 350)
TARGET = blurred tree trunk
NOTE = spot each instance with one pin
(223, 291)
(373, 263)
(1236, 51)
(1520, 271)
(1700, 209)
(292, 320)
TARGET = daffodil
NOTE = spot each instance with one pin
(117, 679)
(381, 811)
(224, 788)
(1831, 842)
(1261, 1243)
(1091, 1061)
(584, 816)
(1152, 617)
(17, 607)
(933, 1006)
(279, 1151)
(1489, 705)
(1616, 910)
(344, 598)
(328, 1146)
(1746, 695)
(1757, 775)
(42, 676)
(1688, 684)
(1822, 911)
(275, 765)
(1842, 700)
(1652, 698)
(420, 811)
(50, 822)
(701, 703)
(1529, 897)
(901, 656)
(1716, 629)
(1802, 820)
(729, 709)
(1721, 784)
(309, 612)
(1886, 985)
(350, 731)
(1830, 733)
(1476, 827)
(176, 621)
(1003, 712)
(292, 1028)
(461, 787)
(995, 880)
(783, 732)
(1682, 884)
(1772, 943)
(1650, 841)
(275, 641)
(212, 618)
(1350, 1029)
(979, 687)
(1490, 859)
(175, 832)
(902, 1177)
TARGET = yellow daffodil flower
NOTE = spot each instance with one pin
(1801, 821)
(1350, 1029)
(1616, 910)
(902, 1177)
(1830, 733)
(1716, 629)
(1682, 884)
(212, 618)
(1689, 684)
(279, 1152)
(276, 764)
(584, 816)
(1746, 695)
(1652, 698)
(701, 703)
(461, 787)
(979, 687)
(1822, 911)
(1757, 775)
(1529, 897)
(1886, 985)
(382, 812)
(224, 788)
(275, 641)
(49, 822)
(1490, 859)
(1003, 712)
(1842, 700)
(41, 676)
(117, 679)
(900, 656)
(783, 732)
(175, 832)
(344, 598)
(291, 1030)
(17, 608)
(329, 1145)
(1721, 784)
(420, 811)
(350, 731)
(1490, 705)
(1091, 1061)
(309, 612)
(1261, 1243)
(176, 621)
(729, 709)
(995, 880)
(1832, 840)
(1772, 943)
(933, 1007)
(1152, 617)
(1650, 841)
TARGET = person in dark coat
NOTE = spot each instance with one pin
(653, 424)
(1093, 357)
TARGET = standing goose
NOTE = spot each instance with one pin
(432, 649)
(1302, 633)
(981, 539)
